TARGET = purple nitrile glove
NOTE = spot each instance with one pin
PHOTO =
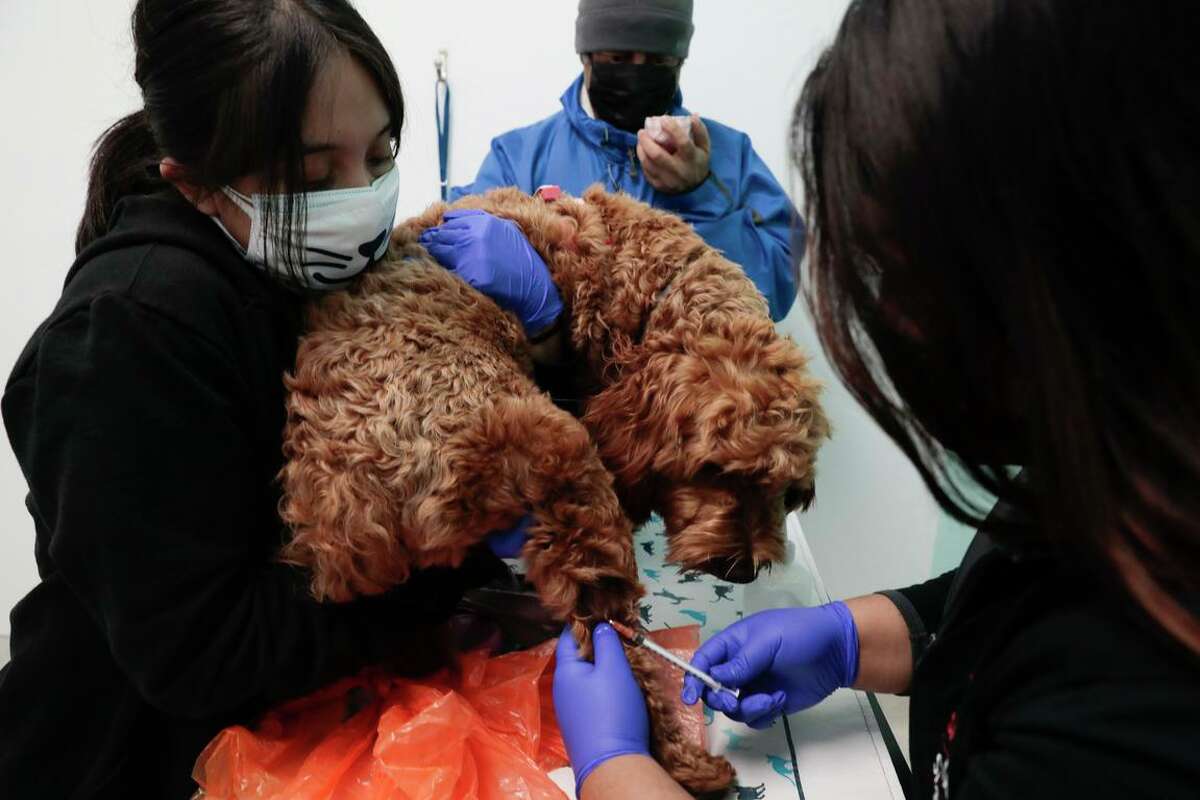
(782, 659)
(508, 544)
(493, 255)
(600, 708)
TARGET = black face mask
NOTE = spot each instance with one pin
(623, 95)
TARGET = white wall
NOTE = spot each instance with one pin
(66, 73)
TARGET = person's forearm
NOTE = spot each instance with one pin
(631, 776)
(884, 650)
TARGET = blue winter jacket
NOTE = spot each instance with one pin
(740, 209)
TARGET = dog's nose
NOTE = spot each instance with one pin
(739, 570)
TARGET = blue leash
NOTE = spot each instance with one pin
(441, 110)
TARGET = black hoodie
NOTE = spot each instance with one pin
(1036, 677)
(147, 413)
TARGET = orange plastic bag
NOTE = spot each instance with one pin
(484, 732)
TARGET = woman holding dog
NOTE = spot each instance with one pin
(147, 411)
(1004, 204)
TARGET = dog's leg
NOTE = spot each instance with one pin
(692, 766)
(523, 455)
(580, 556)
(697, 770)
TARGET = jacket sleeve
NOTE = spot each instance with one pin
(752, 221)
(496, 171)
(141, 467)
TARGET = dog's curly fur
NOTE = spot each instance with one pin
(699, 408)
(414, 427)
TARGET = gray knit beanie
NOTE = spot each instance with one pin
(663, 27)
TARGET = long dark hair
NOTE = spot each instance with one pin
(1004, 204)
(224, 85)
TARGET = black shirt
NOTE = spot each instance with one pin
(147, 413)
(1037, 679)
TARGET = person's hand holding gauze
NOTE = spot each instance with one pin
(493, 255)
(783, 660)
(675, 159)
(599, 705)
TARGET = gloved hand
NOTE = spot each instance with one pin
(508, 544)
(493, 255)
(600, 708)
(782, 659)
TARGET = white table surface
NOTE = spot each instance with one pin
(839, 750)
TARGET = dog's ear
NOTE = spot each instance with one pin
(618, 419)
(741, 402)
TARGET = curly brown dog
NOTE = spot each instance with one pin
(414, 428)
(699, 408)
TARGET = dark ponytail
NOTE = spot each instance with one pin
(224, 87)
(124, 162)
